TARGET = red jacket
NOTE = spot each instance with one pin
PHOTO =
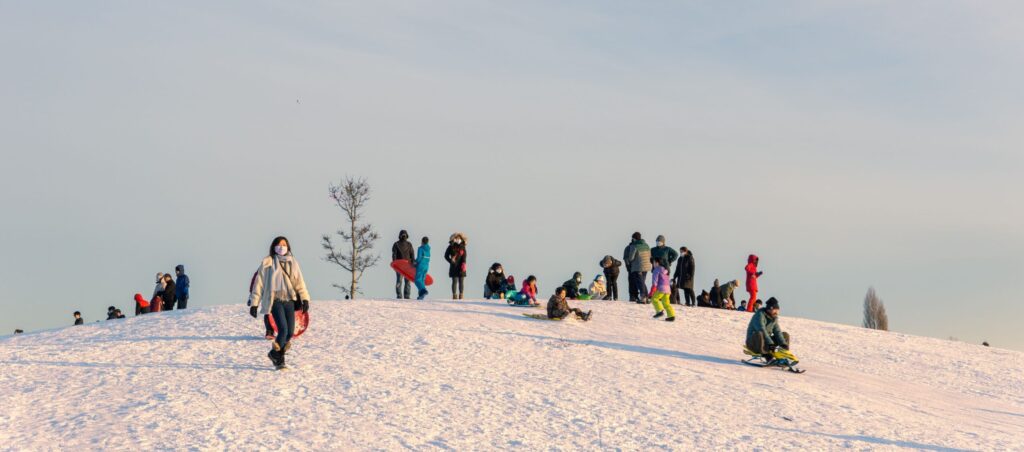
(751, 269)
(141, 301)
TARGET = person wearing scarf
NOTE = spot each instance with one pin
(279, 290)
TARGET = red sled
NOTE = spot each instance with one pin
(301, 323)
(405, 268)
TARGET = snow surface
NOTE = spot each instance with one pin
(385, 374)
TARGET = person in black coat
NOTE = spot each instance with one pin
(496, 282)
(168, 295)
(402, 250)
(455, 255)
(611, 265)
(683, 278)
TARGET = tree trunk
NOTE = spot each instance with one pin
(355, 260)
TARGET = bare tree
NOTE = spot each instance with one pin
(874, 312)
(355, 256)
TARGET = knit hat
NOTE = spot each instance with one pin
(772, 304)
(660, 240)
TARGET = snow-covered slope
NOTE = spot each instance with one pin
(478, 375)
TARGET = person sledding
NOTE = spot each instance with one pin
(766, 340)
(558, 307)
(572, 286)
(496, 283)
(527, 296)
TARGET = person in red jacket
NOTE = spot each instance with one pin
(752, 275)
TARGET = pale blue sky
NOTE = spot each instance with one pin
(848, 144)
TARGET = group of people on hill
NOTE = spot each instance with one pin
(167, 293)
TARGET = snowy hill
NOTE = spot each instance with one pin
(478, 375)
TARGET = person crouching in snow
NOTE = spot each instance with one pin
(572, 286)
(763, 332)
(141, 305)
(495, 284)
(661, 292)
(422, 266)
(559, 309)
(597, 288)
(280, 290)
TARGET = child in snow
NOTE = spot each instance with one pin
(422, 265)
(763, 332)
(559, 309)
(597, 288)
(141, 305)
(280, 290)
(495, 284)
(752, 275)
(661, 291)
(78, 318)
(742, 306)
(528, 294)
(572, 286)
(610, 266)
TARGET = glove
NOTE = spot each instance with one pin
(252, 312)
(305, 305)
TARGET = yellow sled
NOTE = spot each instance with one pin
(780, 358)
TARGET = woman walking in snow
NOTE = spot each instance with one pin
(279, 290)
(456, 257)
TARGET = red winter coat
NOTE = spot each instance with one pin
(751, 269)
(141, 301)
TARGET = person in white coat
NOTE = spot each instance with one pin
(279, 290)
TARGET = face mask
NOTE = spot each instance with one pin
(458, 242)
(281, 250)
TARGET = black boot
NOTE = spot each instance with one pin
(659, 314)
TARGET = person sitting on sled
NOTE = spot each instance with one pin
(572, 286)
(763, 333)
(527, 296)
(597, 288)
(559, 309)
(496, 283)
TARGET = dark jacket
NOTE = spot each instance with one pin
(496, 281)
(685, 268)
(557, 308)
(181, 285)
(572, 287)
(664, 254)
(168, 296)
(728, 290)
(402, 249)
(611, 268)
(79, 321)
(764, 323)
(456, 257)
(637, 257)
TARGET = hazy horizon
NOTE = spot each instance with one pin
(849, 146)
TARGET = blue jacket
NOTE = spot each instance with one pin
(181, 285)
(423, 257)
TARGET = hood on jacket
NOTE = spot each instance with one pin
(660, 240)
(577, 276)
(403, 235)
(180, 268)
(460, 236)
(494, 267)
(752, 259)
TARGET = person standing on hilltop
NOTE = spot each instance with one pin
(456, 257)
(402, 250)
(610, 266)
(683, 276)
(280, 290)
(752, 275)
(637, 257)
(78, 318)
(422, 266)
(181, 287)
(169, 294)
